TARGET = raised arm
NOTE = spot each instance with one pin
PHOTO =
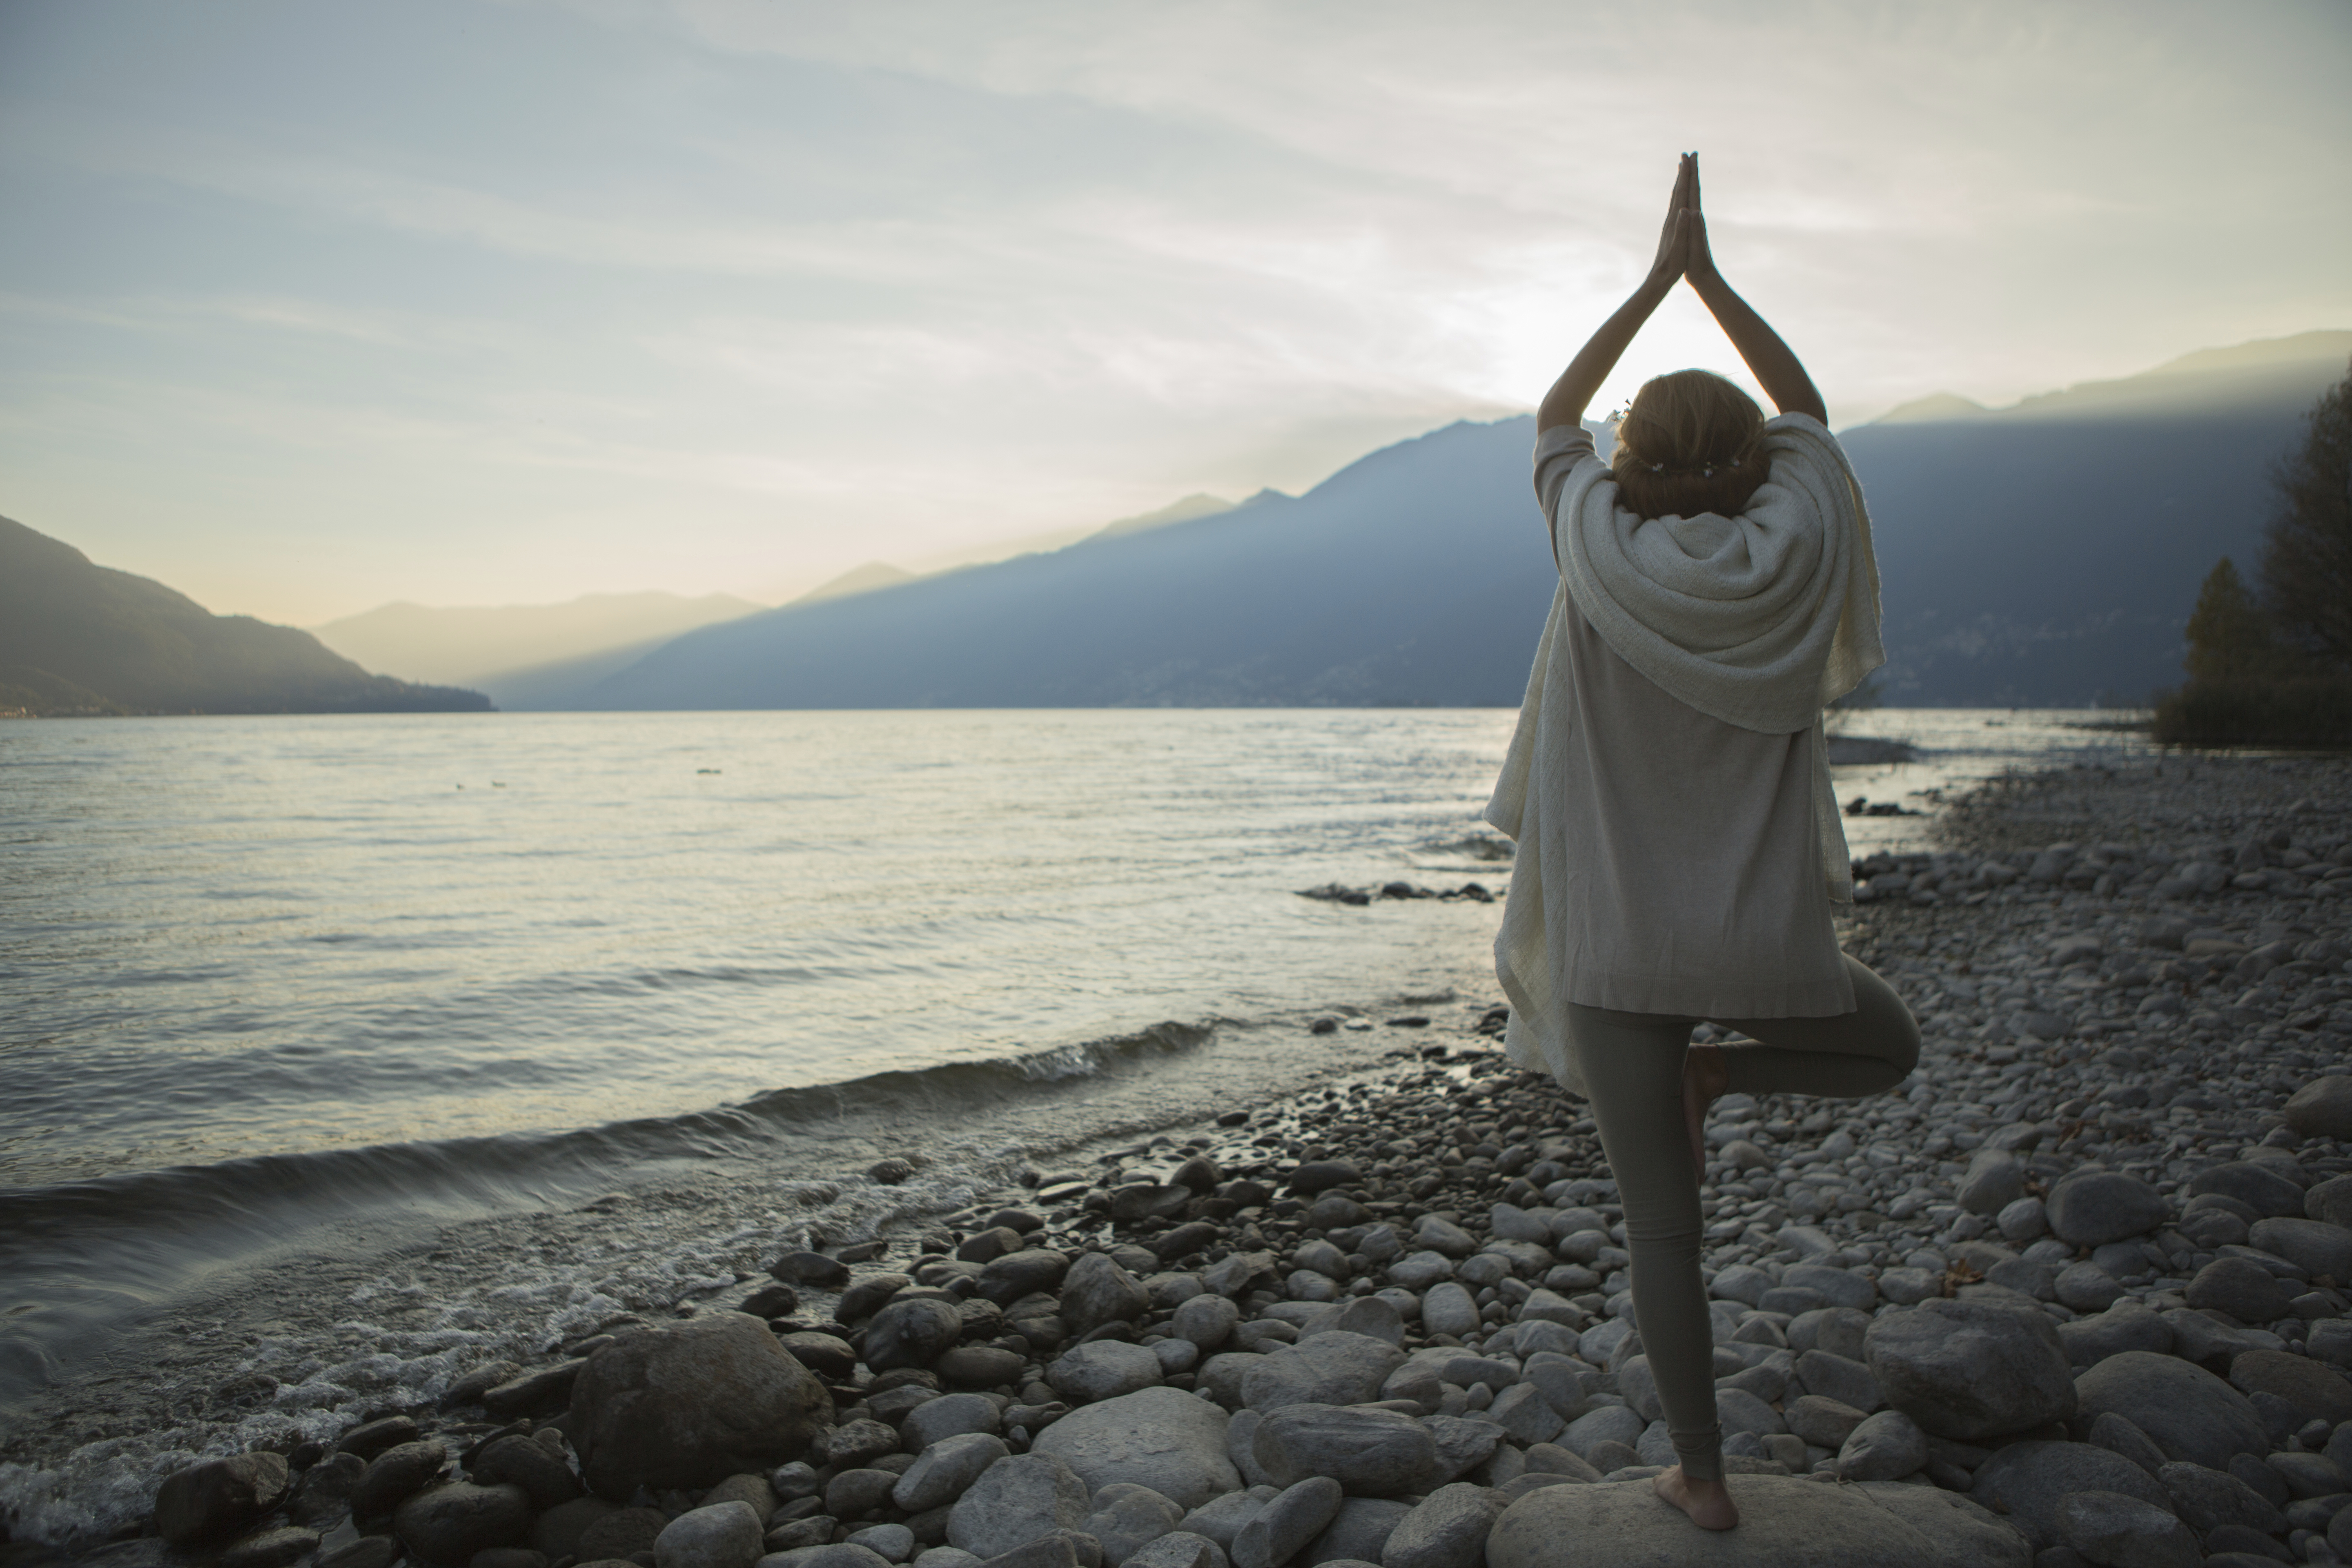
(1771, 361)
(1573, 393)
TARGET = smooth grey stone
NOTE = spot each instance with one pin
(2205, 1341)
(1162, 1438)
(1447, 1308)
(1103, 1368)
(1060, 1549)
(911, 1333)
(2124, 1326)
(2209, 1498)
(1638, 1388)
(841, 1554)
(1447, 1528)
(950, 1415)
(691, 1403)
(451, 1522)
(2022, 1275)
(944, 1470)
(1839, 1286)
(2085, 1287)
(1241, 1439)
(1418, 1271)
(1335, 1368)
(1207, 1319)
(1374, 1318)
(852, 1493)
(2265, 1482)
(1740, 1282)
(1359, 1532)
(2112, 1528)
(1522, 1411)
(2241, 1288)
(1463, 1445)
(1907, 1286)
(2313, 1246)
(1886, 1446)
(1369, 1452)
(1820, 1421)
(1656, 1446)
(1097, 1290)
(2118, 1434)
(1966, 1369)
(1841, 1378)
(2091, 1208)
(1289, 1522)
(2316, 1392)
(1222, 1517)
(717, 1535)
(1179, 1549)
(1015, 1500)
(2027, 1481)
(2252, 1182)
(1838, 1330)
(2185, 1410)
(1995, 1178)
(2330, 1200)
(1785, 1521)
(2308, 1475)
(1608, 1423)
(1444, 1237)
(1739, 1411)
(1127, 1518)
(890, 1542)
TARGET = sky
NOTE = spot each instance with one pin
(309, 305)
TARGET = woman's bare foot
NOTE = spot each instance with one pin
(1708, 1504)
(1705, 1077)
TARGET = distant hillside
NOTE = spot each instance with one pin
(477, 646)
(2045, 555)
(78, 638)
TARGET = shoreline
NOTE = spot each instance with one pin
(1788, 1193)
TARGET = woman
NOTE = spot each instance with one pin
(1679, 847)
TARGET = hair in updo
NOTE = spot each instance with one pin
(1689, 443)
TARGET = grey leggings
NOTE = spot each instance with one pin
(1632, 1064)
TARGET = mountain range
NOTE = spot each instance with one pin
(78, 638)
(2044, 554)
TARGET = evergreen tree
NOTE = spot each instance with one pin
(2307, 556)
(2229, 637)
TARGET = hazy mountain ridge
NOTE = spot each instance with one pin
(475, 644)
(2042, 555)
(75, 638)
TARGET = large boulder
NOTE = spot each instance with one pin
(1097, 1290)
(219, 1498)
(1969, 1370)
(1333, 1368)
(2321, 1108)
(1162, 1438)
(1103, 1368)
(2185, 1410)
(1370, 1453)
(1015, 1500)
(2091, 1208)
(687, 1405)
(2028, 1481)
(1785, 1521)
(451, 1522)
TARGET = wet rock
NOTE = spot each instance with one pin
(1171, 1442)
(394, 1474)
(911, 1333)
(522, 1461)
(1784, 1523)
(811, 1268)
(469, 1388)
(869, 1296)
(1335, 1368)
(2186, 1411)
(2028, 1481)
(1103, 1368)
(1966, 1370)
(1370, 1453)
(539, 1393)
(890, 1173)
(451, 1522)
(717, 1535)
(369, 1438)
(1289, 1522)
(1097, 1291)
(219, 1498)
(776, 1299)
(2091, 1208)
(1015, 1500)
(1886, 1446)
(689, 1404)
(1017, 1274)
(1127, 1518)
(2111, 1528)
(946, 1469)
(1447, 1528)
(827, 1355)
(324, 1494)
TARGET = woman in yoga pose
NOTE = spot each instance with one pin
(1679, 847)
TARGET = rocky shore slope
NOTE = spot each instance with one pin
(2076, 1294)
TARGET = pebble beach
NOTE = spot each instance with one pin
(2079, 1292)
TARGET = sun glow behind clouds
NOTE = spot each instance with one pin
(308, 308)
